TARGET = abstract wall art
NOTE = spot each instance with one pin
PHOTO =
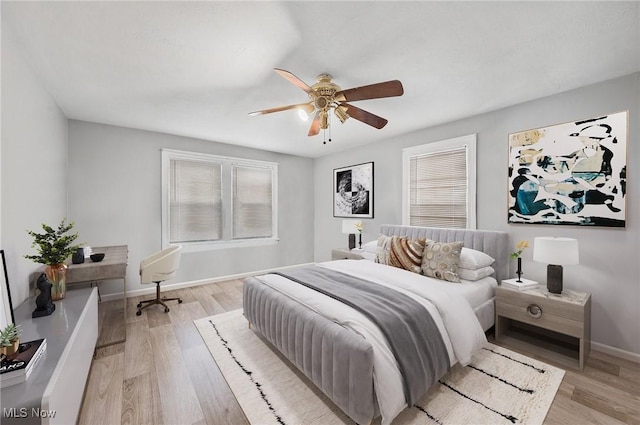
(353, 191)
(572, 174)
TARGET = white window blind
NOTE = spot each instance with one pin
(195, 204)
(438, 189)
(211, 201)
(439, 184)
(252, 202)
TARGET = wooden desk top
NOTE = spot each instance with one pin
(113, 266)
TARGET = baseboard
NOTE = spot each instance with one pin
(152, 289)
(617, 352)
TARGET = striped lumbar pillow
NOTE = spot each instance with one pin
(401, 252)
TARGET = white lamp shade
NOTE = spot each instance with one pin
(560, 251)
(349, 226)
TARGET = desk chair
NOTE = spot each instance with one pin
(157, 268)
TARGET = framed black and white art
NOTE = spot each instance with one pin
(353, 191)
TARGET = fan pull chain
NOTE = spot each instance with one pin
(324, 131)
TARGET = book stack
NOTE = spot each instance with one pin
(17, 367)
(523, 285)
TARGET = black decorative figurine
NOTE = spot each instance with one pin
(44, 305)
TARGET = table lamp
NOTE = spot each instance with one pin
(349, 227)
(555, 252)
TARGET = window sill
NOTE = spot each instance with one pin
(210, 246)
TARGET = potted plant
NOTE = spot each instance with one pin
(10, 339)
(54, 247)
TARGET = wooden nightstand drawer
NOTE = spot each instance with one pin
(546, 319)
(549, 305)
(568, 313)
(345, 254)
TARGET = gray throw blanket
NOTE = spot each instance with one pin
(411, 332)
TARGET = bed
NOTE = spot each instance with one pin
(344, 354)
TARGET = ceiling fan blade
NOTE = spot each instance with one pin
(372, 91)
(294, 80)
(315, 125)
(306, 106)
(364, 116)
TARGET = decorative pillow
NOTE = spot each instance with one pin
(401, 252)
(407, 253)
(474, 275)
(473, 260)
(440, 260)
(384, 247)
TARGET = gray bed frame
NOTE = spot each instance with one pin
(335, 359)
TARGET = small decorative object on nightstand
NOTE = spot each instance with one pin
(519, 284)
(522, 245)
(568, 313)
(359, 227)
(555, 252)
(349, 227)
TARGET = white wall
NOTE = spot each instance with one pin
(34, 163)
(609, 263)
(115, 199)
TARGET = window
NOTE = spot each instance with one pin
(211, 201)
(439, 184)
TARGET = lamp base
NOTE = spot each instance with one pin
(352, 241)
(554, 278)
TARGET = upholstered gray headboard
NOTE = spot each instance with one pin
(491, 242)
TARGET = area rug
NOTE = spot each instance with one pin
(498, 387)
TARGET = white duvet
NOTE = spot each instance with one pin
(460, 329)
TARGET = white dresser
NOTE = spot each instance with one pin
(53, 392)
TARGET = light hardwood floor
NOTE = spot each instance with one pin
(164, 374)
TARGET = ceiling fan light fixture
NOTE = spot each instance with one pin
(302, 114)
(341, 113)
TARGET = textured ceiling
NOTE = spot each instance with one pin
(198, 68)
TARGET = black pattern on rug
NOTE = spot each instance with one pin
(250, 375)
(537, 369)
(510, 418)
(430, 416)
(504, 381)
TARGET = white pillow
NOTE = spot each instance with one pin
(369, 256)
(473, 260)
(370, 247)
(474, 275)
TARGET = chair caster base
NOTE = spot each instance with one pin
(166, 309)
(139, 305)
(138, 313)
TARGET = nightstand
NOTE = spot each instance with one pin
(346, 254)
(568, 313)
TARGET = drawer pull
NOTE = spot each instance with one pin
(534, 311)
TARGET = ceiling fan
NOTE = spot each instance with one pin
(325, 95)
